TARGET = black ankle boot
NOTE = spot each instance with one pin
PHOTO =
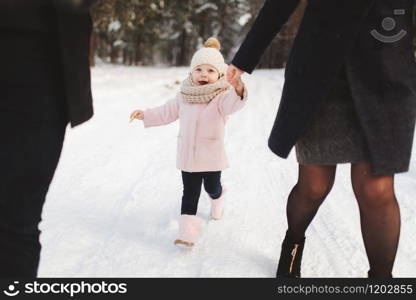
(290, 258)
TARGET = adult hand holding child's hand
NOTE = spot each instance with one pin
(234, 78)
(233, 75)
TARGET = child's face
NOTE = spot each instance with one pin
(204, 74)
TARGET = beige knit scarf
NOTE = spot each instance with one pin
(193, 93)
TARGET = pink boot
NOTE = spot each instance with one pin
(217, 205)
(189, 228)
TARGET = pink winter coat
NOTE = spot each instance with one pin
(201, 134)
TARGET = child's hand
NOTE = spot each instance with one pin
(239, 87)
(137, 114)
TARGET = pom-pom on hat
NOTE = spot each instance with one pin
(210, 54)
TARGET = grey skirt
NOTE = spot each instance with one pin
(334, 134)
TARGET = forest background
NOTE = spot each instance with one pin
(149, 32)
(167, 32)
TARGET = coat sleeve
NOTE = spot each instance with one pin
(162, 115)
(272, 16)
(230, 102)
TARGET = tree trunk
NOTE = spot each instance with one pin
(113, 54)
(138, 56)
(125, 57)
(180, 61)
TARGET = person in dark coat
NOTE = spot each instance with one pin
(349, 97)
(44, 84)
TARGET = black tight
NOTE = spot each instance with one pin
(380, 217)
(314, 184)
(379, 210)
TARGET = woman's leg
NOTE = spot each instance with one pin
(379, 215)
(192, 183)
(314, 184)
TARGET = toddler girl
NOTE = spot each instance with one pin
(202, 105)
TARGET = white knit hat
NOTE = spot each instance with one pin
(210, 54)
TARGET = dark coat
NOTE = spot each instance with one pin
(74, 28)
(381, 74)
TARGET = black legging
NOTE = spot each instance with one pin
(379, 210)
(192, 183)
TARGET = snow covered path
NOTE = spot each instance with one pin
(113, 205)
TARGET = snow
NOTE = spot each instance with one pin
(153, 6)
(118, 43)
(205, 7)
(112, 208)
(114, 26)
(244, 19)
